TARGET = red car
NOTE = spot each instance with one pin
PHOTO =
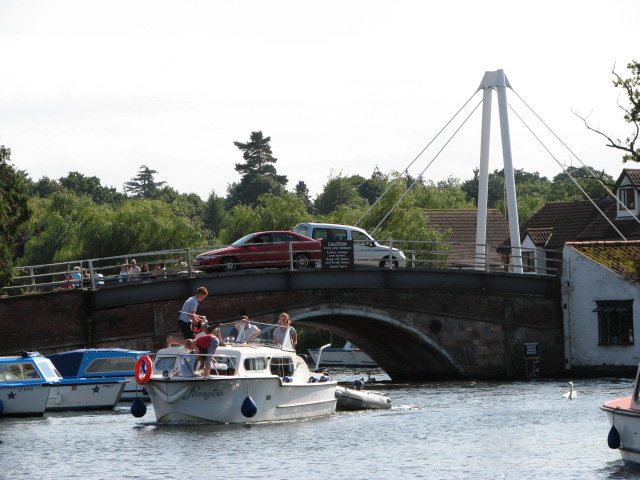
(263, 249)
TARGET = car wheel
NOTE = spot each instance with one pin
(301, 260)
(229, 264)
(385, 263)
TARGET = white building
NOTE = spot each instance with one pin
(601, 305)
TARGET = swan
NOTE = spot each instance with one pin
(571, 394)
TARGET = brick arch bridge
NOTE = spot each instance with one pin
(417, 324)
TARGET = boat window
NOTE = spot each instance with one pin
(18, 371)
(256, 363)
(114, 364)
(165, 363)
(282, 366)
(46, 370)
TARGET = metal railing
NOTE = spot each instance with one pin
(161, 265)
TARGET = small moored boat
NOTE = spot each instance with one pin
(23, 390)
(32, 371)
(102, 363)
(358, 399)
(248, 383)
(624, 417)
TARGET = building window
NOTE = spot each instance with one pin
(627, 197)
(615, 322)
(529, 261)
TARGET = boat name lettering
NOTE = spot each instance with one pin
(196, 393)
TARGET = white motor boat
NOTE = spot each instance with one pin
(347, 356)
(624, 417)
(248, 383)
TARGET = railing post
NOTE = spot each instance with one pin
(291, 256)
(93, 280)
(33, 280)
(390, 254)
(413, 259)
(487, 258)
(189, 261)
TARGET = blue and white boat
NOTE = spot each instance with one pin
(32, 375)
(23, 390)
(102, 363)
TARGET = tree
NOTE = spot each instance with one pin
(143, 185)
(372, 188)
(214, 217)
(631, 88)
(258, 173)
(13, 212)
(91, 187)
(564, 189)
(339, 191)
(302, 191)
(271, 213)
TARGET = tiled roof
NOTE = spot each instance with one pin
(461, 225)
(632, 174)
(580, 220)
(622, 258)
(540, 236)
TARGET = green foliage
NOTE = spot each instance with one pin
(44, 187)
(143, 185)
(339, 191)
(91, 187)
(302, 191)
(258, 173)
(68, 227)
(214, 216)
(631, 87)
(272, 213)
(14, 211)
(250, 188)
(563, 188)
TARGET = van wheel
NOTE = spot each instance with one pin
(229, 264)
(384, 263)
(301, 260)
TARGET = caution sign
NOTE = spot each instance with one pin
(337, 255)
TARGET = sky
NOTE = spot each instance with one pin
(341, 87)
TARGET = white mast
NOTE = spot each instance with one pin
(499, 81)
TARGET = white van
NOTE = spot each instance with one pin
(366, 251)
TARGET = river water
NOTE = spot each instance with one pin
(447, 430)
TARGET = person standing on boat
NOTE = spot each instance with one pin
(188, 313)
(247, 333)
(207, 344)
(280, 332)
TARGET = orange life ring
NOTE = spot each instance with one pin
(143, 378)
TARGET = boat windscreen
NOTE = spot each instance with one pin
(111, 365)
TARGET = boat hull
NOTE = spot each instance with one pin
(27, 400)
(219, 399)
(85, 394)
(627, 421)
(132, 391)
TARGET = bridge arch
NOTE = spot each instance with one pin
(402, 349)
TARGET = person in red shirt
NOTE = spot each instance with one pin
(207, 344)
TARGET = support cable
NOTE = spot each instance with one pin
(565, 171)
(609, 192)
(425, 168)
(414, 160)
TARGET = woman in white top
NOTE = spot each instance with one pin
(280, 332)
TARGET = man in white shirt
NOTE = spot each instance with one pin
(246, 332)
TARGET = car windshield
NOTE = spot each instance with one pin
(243, 240)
